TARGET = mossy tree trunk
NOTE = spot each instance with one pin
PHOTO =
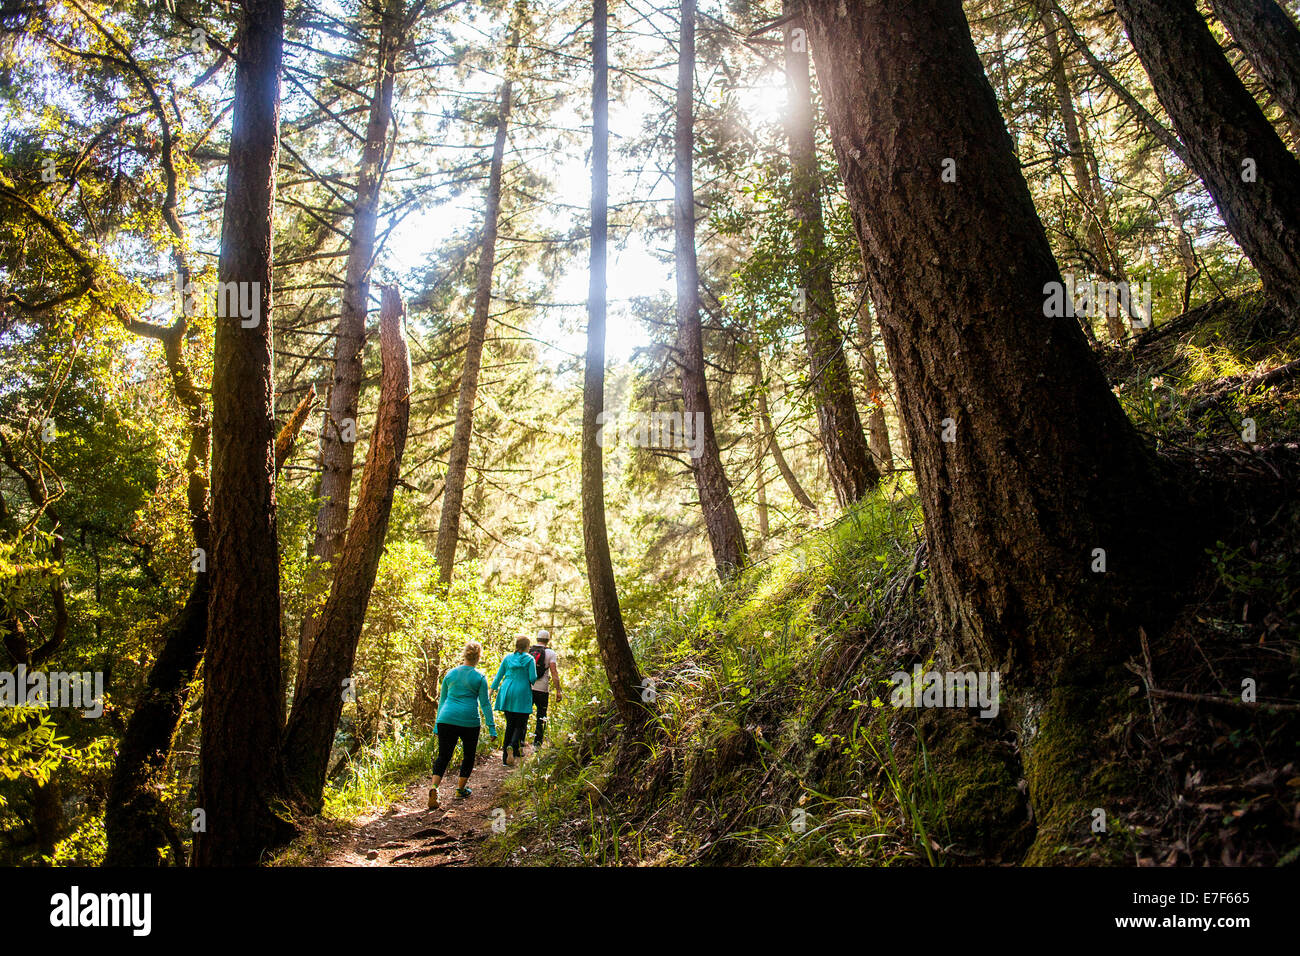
(1025, 463)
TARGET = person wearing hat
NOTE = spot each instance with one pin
(545, 659)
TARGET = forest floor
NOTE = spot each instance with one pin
(405, 833)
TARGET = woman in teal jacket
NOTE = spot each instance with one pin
(515, 679)
(464, 693)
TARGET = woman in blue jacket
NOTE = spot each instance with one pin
(464, 693)
(515, 678)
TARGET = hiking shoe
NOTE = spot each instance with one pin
(510, 759)
(462, 793)
(433, 799)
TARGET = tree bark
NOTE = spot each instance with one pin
(318, 704)
(611, 638)
(1230, 144)
(350, 333)
(242, 704)
(1269, 38)
(1043, 467)
(726, 537)
(458, 459)
(1010, 524)
(852, 470)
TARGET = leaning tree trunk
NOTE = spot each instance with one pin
(877, 427)
(760, 483)
(1229, 142)
(242, 703)
(336, 452)
(852, 471)
(726, 537)
(1269, 38)
(1040, 467)
(318, 704)
(453, 495)
(783, 466)
(611, 638)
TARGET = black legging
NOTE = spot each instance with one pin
(516, 731)
(448, 735)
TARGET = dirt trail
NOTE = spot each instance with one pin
(408, 834)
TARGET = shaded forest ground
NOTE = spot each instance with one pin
(775, 742)
(406, 832)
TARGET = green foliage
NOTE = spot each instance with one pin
(742, 696)
(377, 775)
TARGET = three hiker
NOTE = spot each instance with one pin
(523, 680)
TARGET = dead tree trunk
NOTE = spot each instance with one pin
(783, 466)
(318, 704)
(877, 427)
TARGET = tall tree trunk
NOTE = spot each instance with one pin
(1042, 467)
(314, 719)
(783, 466)
(458, 460)
(350, 333)
(726, 537)
(242, 703)
(1088, 189)
(1269, 38)
(1230, 144)
(611, 639)
(852, 471)
(877, 427)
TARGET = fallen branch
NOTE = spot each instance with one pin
(1223, 388)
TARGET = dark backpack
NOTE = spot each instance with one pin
(539, 658)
